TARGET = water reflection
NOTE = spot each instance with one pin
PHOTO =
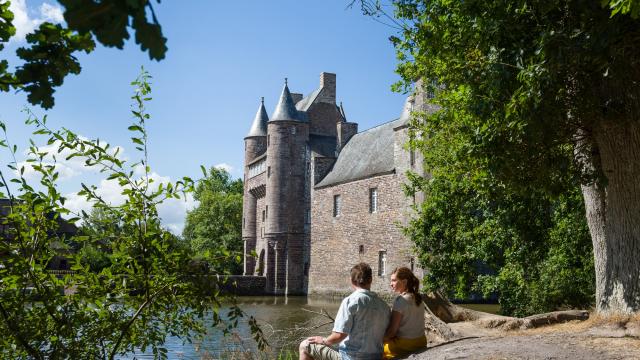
(283, 320)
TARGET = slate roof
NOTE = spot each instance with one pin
(367, 153)
(259, 125)
(305, 104)
(286, 109)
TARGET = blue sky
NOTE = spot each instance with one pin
(223, 56)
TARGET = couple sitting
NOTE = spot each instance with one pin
(363, 327)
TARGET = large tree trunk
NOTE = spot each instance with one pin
(613, 213)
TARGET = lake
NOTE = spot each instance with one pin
(284, 321)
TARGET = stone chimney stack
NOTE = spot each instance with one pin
(346, 130)
(328, 86)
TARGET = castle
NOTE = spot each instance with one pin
(320, 197)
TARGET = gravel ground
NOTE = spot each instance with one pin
(563, 341)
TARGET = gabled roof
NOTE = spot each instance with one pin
(305, 104)
(366, 154)
(259, 125)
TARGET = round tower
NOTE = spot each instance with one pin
(288, 136)
(255, 144)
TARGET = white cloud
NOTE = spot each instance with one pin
(25, 22)
(171, 211)
(174, 211)
(225, 166)
(51, 13)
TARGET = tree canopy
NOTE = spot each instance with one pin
(147, 289)
(50, 56)
(545, 94)
(214, 228)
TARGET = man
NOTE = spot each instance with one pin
(359, 326)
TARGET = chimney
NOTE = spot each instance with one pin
(328, 86)
(346, 130)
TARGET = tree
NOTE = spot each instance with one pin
(146, 292)
(528, 80)
(476, 236)
(214, 228)
(50, 57)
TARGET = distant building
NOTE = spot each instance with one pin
(320, 197)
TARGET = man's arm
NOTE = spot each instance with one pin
(332, 339)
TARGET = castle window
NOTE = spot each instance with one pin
(361, 249)
(337, 205)
(412, 157)
(373, 200)
(268, 171)
(263, 216)
(307, 219)
(261, 232)
(257, 168)
(268, 139)
(266, 212)
(293, 130)
(382, 263)
(412, 263)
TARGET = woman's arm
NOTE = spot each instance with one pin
(394, 325)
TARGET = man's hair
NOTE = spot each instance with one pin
(361, 275)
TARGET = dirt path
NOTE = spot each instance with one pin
(564, 341)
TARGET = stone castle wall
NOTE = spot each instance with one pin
(338, 243)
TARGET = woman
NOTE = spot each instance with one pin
(405, 333)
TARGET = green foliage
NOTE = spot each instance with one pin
(522, 87)
(631, 7)
(475, 235)
(530, 78)
(214, 228)
(109, 21)
(48, 61)
(146, 290)
(94, 258)
(51, 55)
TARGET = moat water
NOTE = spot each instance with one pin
(281, 319)
(284, 320)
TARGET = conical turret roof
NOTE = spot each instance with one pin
(286, 109)
(259, 125)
